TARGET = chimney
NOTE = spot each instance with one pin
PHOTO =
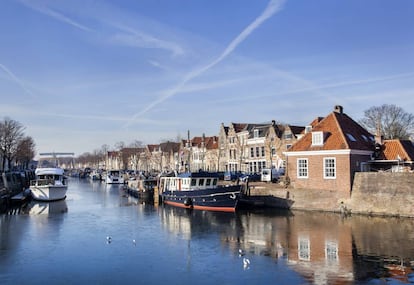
(338, 109)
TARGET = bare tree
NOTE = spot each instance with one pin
(11, 132)
(392, 121)
(119, 145)
(25, 152)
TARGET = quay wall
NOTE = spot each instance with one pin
(383, 193)
(373, 193)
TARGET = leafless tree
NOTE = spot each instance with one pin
(25, 152)
(392, 121)
(11, 132)
(119, 145)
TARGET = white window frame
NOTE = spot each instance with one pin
(331, 250)
(317, 138)
(304, 252)
(329, 168)
(300, 167)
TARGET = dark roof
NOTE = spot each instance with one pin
(170, 147)
(297, 129)
(152, 147)
(238, 127)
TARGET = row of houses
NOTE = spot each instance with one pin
(322, 155)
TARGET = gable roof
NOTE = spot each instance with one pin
(209, 142)
(394, 149)
(171, 147)
(152, 147)
(296, 129)
(238, 127)
(340, 132)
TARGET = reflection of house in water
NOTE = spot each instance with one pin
(383, 247)
(320, 248)
(323, 248)
(265, 235)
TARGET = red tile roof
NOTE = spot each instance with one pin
(392, 149)
(340, 132)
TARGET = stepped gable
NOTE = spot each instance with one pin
(340, 132)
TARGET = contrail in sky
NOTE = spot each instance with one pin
(272, 8)
(56, 15)
(17, 80)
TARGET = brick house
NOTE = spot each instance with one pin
(252, 147)
(331, 150)
(199, 153)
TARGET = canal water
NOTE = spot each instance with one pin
(100, 235)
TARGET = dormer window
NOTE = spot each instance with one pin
(256, 133)
(317, 138)
(351, 137)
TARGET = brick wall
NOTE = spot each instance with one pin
(383, 193)
(316, 178)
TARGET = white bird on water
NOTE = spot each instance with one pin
(108, 239)
(134, 242)
(241, 252)
(246, 263)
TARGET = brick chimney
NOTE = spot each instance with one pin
(338, 109)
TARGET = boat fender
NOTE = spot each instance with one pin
(188, 202)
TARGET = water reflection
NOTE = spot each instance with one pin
(191, 224)
(323, 248)
(45, 208)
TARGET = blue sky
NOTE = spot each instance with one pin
(79, 74)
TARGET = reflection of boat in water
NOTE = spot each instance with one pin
(200, 191)
(190, 223)
(39, 208)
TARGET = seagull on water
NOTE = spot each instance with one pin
(241, 252)
(246, 263)
(108, 239)
(134, 242)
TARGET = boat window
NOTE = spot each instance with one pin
(214, 181)
(201, 182)
(193, 182)
(208, 181)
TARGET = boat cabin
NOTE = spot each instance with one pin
(189, 181)
(49, 179)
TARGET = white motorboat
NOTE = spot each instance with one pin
(114, 177)
(50, 184)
